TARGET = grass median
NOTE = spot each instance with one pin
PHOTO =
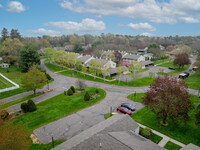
(193, 81)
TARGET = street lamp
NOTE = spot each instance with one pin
(52, 140)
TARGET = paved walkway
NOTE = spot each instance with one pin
(165, 138)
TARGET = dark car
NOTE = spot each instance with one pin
(129, 106)
(171, 68)
(183, 75)
(124, 110)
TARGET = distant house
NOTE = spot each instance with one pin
(85, 59)
(4, 65)
(147, 63)
(149, 56)
(119, 132)
(142, 51)
(130, 57)
(162, 47)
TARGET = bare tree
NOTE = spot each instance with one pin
(80, 84)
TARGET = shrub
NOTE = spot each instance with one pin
(4, 114)
(24, 107)
(97, 91)
(146, 132)
(69, 92)
(48, 76)
(73, 89)
(31, 106)
(87, 96)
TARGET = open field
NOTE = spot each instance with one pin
(185, 133)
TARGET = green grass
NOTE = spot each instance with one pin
(174, 72)
(108, 115)
(161, 61)
(4, 83)
(6, 105)
(193, 81)
(57, 107)
(185, 133)
(171, 146)
(136, 97)
(45, 146)
(154, 138)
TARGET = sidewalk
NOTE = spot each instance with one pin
(165, 138)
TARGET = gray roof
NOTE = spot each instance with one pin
(131, 56)
(83, 59)
(114, 133)
(148, 62)
(190, 147)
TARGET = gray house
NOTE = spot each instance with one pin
(115, 133)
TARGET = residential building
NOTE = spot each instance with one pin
(131, 57)
(4, 65)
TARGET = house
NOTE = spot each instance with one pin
(85, 59)
(162, 47)
(4, 65)
(142, 51)
(130, 57)
(119, 132)
(106, 63)
(148, 56)
(147, 63)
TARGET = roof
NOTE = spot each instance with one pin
(148, 62)
(190, 147)
(115, 133)
(83, 59)
(131, 56)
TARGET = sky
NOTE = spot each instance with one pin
(127, 17)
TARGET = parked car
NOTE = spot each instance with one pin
(124, 110)
(183, 75)
(171, 68)
(129, 106)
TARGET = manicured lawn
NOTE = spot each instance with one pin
(108, 115)
(174, 72)
(171, 146)
(154, 138)
(193, 81)
(3, 106)
(137, 97)
(57, 107)
(45, 146)
(4, 83)
(185, 133)
(161, 61)
(139, 82)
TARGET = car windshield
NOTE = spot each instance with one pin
(126, 109)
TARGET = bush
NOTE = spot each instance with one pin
(73, 89)
(146, 132)
(24, 107)
(97, 91)
(4, 114)
(31, 106)
(69, 92)
(87, 96)
(48, 76)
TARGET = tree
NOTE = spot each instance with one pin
(73, 89)
(10, 50)
(84, 69)
(169, 98)
(136, 68)
(14, 137)
(94, 67)
(33, 79)
(104, 72)
(87, 96)
(120, 71)
(31, 106)
(29, 57)
(80, 83)
(49, 52)
(69, 92)
(15, 34)
(118, 57)
(181, 60)
(4, 34)
(77, 48)
(110, 55)
(197, 115)
(153, 45)
(151, 74)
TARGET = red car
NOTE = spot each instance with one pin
(124, 110)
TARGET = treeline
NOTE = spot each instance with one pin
(94, 43)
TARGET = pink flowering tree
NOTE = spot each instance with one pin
(126, 63)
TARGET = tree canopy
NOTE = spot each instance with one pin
(181, 60)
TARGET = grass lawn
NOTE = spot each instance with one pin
(193, 81)
(139, 82)
(57, 107)
(4, 83)
(174, 72)
(108, 115)
(185, 133)
(136, 97)
(171, 146)
(45, 146)
(3, 106)
(154, 138)
(161, 61)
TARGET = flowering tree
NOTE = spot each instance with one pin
(126, 63)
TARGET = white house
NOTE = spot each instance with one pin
(131, 57)
(4, 65)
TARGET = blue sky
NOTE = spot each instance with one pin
(130, 17)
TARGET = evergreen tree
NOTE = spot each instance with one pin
(87, 96)
(15, 34)
(4, 34)
(31, 106)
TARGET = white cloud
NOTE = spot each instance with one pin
(189, 20)
(87, 25)
(1, 6)
(156, 11)
(146, 34)
(15, 6)
(43, 31)
(142, 26)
